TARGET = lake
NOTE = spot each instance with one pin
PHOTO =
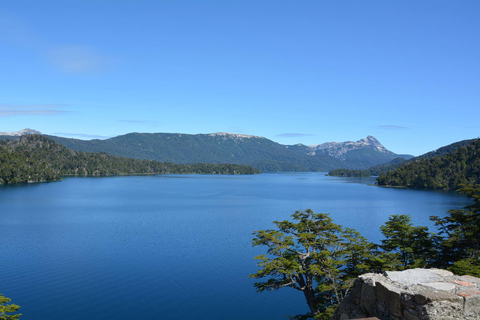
(173, 246)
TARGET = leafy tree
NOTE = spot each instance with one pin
(460, 230)
(7, 309)
(407, 246)
(313, 255)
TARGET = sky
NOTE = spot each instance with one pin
(406, 72)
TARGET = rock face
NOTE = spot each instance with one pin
(339, 149)
(416, 294)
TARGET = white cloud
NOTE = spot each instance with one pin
(28, 110)
(80, 135)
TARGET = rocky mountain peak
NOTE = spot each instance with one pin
(20, 133)
(338, 149)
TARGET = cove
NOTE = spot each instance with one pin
(173, 246)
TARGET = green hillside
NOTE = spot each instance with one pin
(449, 170)
(258, 152)
(398, 162)
(34, 158)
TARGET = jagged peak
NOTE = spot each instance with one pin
(369, 140)
(338, 149)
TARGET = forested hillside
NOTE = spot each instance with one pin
(449, 171)
(398, 162)
(258, 152)
(34, 158)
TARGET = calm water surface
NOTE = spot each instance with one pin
(172, 247)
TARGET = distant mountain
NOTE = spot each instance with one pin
(20, 133)
(449, 167)
(255, 151)
(399, 162)
(340, 150)
(360, 154)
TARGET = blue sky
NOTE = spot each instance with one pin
(407, 72)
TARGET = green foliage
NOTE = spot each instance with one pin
(460, 231)
(406, 246)
(313, 255)
(466, 266)
(34, 158)
(8, 310)
(349, 173)
(450, 171)
(321, 259)
(445, 150)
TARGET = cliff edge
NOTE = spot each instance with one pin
(416, 294)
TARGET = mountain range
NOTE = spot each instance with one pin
(258, 152)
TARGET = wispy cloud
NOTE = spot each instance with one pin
(293, 135)
(392, 127)
(29, 110)
(80, 135)
(76, 59)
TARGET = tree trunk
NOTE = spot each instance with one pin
(305, 281)
(311, 301)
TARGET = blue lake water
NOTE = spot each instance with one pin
(174, 246)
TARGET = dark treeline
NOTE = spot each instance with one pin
(450, 171)
(373, 171)
(34, 158)
(349, 173)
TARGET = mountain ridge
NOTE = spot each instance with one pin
(448, 168)
(223, 147)
(339, 149)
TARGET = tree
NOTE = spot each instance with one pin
(6, 308)
(313, 255)
(460, 230)
(407, 246)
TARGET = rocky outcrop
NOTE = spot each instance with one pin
(339, 149)
(416, 294)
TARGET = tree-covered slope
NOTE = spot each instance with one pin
(449, 171)
(398, 162)
(445, 150)
(257, 152)
(33, 158)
